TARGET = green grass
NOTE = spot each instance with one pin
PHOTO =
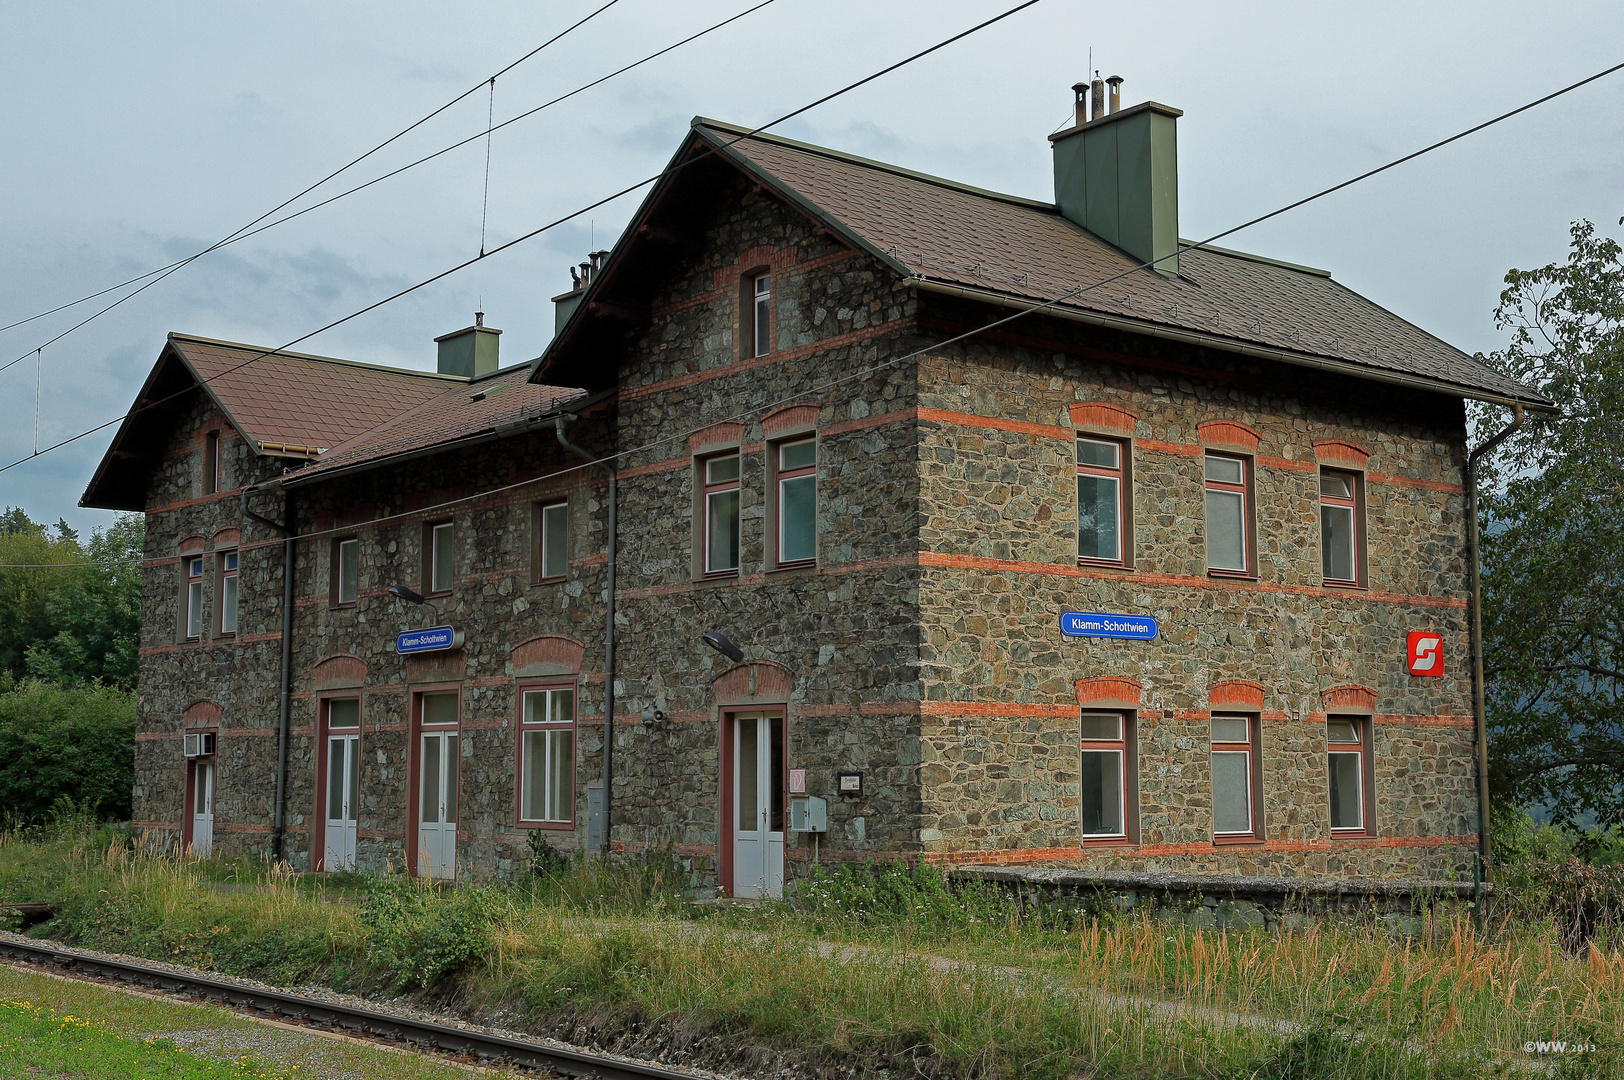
(56, 1027)
(862, 971)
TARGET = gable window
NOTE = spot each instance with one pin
(1229, 515)
(441, 551)
(211, 463)
(1101, 500)
(547, 755)
(346, 571)
(552, 541)
(228, 592)
(758, 342)
(194, 597)
(721, 513)
(1340, 541)
(1103, 777)
(796, 464)
(1234, 777)
(1347, 741)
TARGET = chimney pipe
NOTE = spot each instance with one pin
(1116, 92)
(1099, 96)
(1081, 90)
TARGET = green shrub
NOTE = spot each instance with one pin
(880, 892)
(420, 934)
(66, 743)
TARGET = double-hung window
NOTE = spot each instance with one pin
(547, 755)
(721, 513)
(228, 592)
(1229, 514)
(194, 596)
(346, 571)
(797, 497)
(760, 321)
(1101, 500)
(1347, 740)
(1339, 527)
(552, 541)
(442, 556)
(1102, 787)
(1234, 776)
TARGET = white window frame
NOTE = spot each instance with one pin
(552, 524)
(1361, 754)
(786, 476)
(1355, 530)
(229, 591)
(442, 534)
(1242, 490)
(1247, 749)
(194, 597)
(351, 545)
(713, 490)
(555, 700)
(1105, 748)
(1118, 474)
(761, 297)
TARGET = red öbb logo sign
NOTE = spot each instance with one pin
(1425, 653)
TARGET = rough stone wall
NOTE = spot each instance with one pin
(998, 529)
(237, 673)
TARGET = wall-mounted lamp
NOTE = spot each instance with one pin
(412, 596)
(722, 645)
(653, 715)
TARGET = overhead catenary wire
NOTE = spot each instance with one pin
(676, 167)
(259, 228)
(408, 129)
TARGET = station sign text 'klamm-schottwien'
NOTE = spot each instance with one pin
(1100, 624)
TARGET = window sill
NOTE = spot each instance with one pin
(559, 580)
(1352, 834)
(804, 564)
(1108, 842)
(550, 826)
(1351, 586)
(345, 606)
(434, 595)
(1229, 841)
(1104, 564)
(226, 635)
(1232, 575)
(720, 575)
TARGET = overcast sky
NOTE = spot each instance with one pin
(134, 135)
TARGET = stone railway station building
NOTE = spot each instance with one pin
(830, 447)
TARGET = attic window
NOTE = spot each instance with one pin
(211, 463)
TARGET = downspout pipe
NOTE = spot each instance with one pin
(559, 423)
(1479, 718)
(279, 807)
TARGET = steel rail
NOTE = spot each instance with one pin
(484, 1044)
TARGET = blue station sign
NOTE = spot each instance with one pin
(1099, 624)
(434, 639)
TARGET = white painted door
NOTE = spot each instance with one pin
(343, 772)
(202, 807)
(758, 805)
(437, 805)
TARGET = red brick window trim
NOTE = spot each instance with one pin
(719, 480)
(1236, 779)
(1228, 435)
(1337, 453)
(1106, 795)
(1103, 418)
(1230, 538)
(1349, 766)
(545, 769)
(1104, 501)
(1342, 528)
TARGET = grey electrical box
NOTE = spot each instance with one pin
(808, 813)
(594, 819)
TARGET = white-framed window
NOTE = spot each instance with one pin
(796, 466)
(346, 571)
(1102, 500)
(761, 308)
(721, 513)
(552, 553)
(1347, 740)
(1339, 527)
(1234, 798)
(1229, 514)
(228, 592)
(1102, 788)
(442, 556)
(547, 755)
(194, 596)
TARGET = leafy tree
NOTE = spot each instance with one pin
(1553, 544)
(65, 742)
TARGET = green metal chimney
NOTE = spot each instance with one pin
(1117, 176)
(471, 351)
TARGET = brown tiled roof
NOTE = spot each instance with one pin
(302, 400)
(956, 235)
(503, 400)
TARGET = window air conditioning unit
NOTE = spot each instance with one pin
(199, 744)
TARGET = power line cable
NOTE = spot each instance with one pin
(709, 151)
(172, 267)
(250, 232)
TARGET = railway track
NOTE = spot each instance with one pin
(490, 1047)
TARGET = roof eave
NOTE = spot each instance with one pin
(1215, 341)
